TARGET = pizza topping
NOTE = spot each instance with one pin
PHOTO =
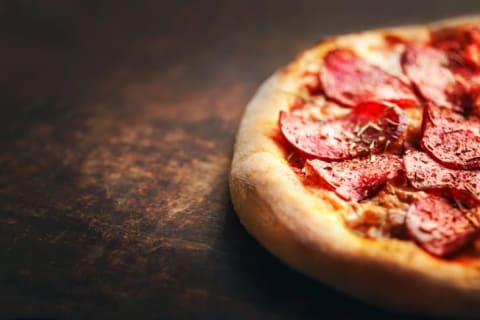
(442, 78)
(356, 179)
(462, 43)
(452, 139)
(311, 82)
(424, 173)
(367, 129)
(428, 69)
(349, 80)
(438, 227)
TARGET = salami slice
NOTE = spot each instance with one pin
(442, 78)
(452, 139)
(463, 42)
(424, 173)
(356, 179)
(428, 69)
(350, 80)
(438, 227)
(368, 128)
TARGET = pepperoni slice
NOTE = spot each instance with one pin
(356, 179)
(424, 173)
(428, 69)
(438, 227)
(350, 80)
(463, 42)
(441, 78)
(452, 139)
(463, 47)
(369, 128)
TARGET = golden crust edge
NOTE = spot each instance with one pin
(303, 231)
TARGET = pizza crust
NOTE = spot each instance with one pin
(308, 232)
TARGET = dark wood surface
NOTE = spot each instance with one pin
(116, 130)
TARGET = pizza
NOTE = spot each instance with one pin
(359, 164)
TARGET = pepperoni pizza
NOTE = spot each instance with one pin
(359, 164)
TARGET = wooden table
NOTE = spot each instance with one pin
(117, 127)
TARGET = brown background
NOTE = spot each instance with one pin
(117, 123)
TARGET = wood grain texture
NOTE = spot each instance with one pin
(116, 127)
